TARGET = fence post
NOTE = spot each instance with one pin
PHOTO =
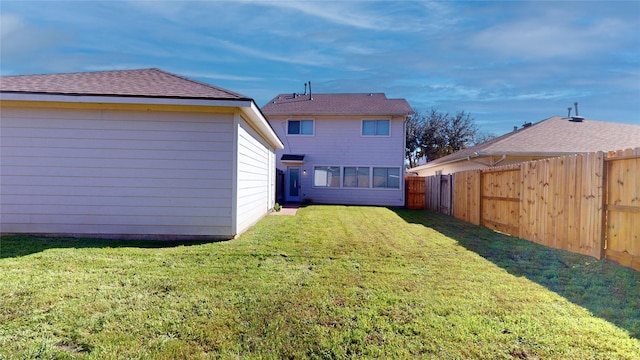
(439, 192)
(603, 225)
(480, 195)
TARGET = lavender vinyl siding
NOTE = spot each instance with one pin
(338, 141)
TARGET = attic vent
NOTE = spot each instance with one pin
(526, 125)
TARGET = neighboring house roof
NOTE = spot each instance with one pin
(138, 83)
(336, 104)
(555, 136)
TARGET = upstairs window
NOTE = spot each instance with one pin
(375, 127)
(300, 127)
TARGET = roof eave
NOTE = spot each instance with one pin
(260, 121)
(528, 153)
(122, 99)
(495, 153)
(318, 113)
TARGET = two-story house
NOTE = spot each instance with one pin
(341, 148)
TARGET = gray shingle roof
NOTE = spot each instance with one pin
(139, 83)
(336, 104)
(556, 135)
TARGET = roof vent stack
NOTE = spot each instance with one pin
(569, 109)
(576, 118)
(305, 89)
(310, 97)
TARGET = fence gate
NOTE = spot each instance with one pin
(415, 187)
(623, 207)
(439, 190)
(501, 199)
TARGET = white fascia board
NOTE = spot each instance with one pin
(254, 114)
(123, 100)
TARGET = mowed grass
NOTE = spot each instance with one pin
(331, 282)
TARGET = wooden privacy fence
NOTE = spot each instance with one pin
(584, 203)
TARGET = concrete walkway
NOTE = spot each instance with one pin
(287, 209)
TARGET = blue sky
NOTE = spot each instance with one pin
(504, 62)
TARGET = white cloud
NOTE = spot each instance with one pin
(303, 57)
(20, 40)
(217, 76)
(9, 24)
(394, 16)
(341, 13)
(546, 37)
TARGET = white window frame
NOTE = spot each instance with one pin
(375, 135)
(357, 177)
(315, 168)
(386, 179)
(313, 127)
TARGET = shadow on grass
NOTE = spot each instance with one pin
(22, 245)
(610, 291)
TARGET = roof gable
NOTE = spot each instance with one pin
(140, 83)
(336, 104)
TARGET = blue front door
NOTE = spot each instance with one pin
(292, 192)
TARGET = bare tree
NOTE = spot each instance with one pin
(435, 134)
(460, 132)
(414, 128)
(482, 137)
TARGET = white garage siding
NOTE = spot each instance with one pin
(255, 176)
(116, 172)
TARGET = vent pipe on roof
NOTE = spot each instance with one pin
(576, 118)
(305, 89)
(569, 109)
(310, 96)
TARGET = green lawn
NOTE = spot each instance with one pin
(331, 282)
